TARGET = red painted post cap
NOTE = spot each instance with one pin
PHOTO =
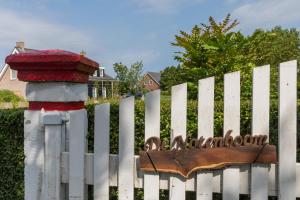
(51, 65)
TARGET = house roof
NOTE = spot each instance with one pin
(5, 67)
(104, 78)
(155, 76)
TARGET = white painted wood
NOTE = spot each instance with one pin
(34, 139)
(152, 128)
(77, 149)
(260, 125)
(48, 91)
(101, 152)
(231, 177)
(53, 139)
(178, 127)
(126, 149)
(287, 129)
(205, 129)
(164, 178)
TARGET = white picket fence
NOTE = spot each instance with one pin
(102, 169)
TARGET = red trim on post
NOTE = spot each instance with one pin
(51, 66)
(59, 106)
(53, 76)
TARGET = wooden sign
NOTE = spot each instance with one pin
(186, 157)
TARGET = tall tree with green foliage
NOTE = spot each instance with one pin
(214, 49)
(130, 78)
(209, 50)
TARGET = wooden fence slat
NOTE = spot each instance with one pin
(77, 150)
(126, 149)
(152, 128)
(287, 129)
(205, 129)
(260, 125)
(231, 176)
(101, 152)
(178, 127)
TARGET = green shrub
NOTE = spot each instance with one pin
(9, 96)
(11, 154)
(191, 122)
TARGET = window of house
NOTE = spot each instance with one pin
(95, 73)
(94, 93)
(13, 74)
(150, 82)
(101, 72)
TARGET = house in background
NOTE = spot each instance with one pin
(151, 81)
(99, 85)
(8, 77)
(102, 85)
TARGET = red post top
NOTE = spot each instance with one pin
(51, 65)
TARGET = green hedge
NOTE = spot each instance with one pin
(11, 154)
(11, 137)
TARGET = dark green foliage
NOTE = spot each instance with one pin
(11, 154)
(214, 49)
(130, 78)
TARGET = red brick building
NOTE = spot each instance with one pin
(151, 81)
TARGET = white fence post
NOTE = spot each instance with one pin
(126, 149)
(260, 126)
(287, 130)
(231, 176)
(178, 127)
(57, 85)
(77, 148)
(152, 129)
(101, 152)
(205, 129)
(34, 155)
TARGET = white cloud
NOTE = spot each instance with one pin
(39, 33)
(163, 6)
(267, 13)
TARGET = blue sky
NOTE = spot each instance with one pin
(128, 30)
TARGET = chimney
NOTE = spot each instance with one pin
(82, 53)
(20, 45)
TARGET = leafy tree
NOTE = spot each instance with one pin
(130, 78)
(210, 50)
(214, 49)
(273, 47)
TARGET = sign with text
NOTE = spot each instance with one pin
(186, 157)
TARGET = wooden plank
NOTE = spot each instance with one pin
(164, 178)
(126, 149)
(101, 152)
(178, 127)
(260, 125)
(152, 128)
(77, 149)
(205, 129)
(53, 140)
(287, 129)
(231, 177)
